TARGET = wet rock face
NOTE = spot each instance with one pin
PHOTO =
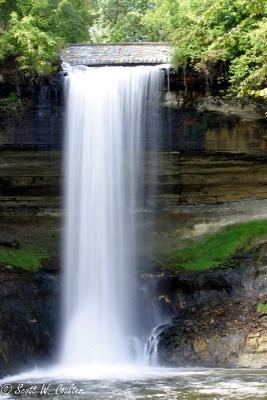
(216, 320)
(28, 319)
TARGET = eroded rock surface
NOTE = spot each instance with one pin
(217, 321)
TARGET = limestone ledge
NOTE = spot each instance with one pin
(117, 54)
(246, 109)
(31, 181)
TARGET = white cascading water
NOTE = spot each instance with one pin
(106, 114)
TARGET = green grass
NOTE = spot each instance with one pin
(262, 307)
(216, 248)
(28, 258)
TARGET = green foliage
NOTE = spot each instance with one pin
(160, 21)
(119, 20)
(204, 33)
(11, 104)
(207, 32)
(34, 31)
(27, 258)
(262, 307)
(215, 249)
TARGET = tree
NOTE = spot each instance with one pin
(206, 33)
(34, 31)
(120, 21)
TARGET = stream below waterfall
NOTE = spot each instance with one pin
(141, 384)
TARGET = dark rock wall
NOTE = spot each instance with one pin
(28, 320)
(39, 121)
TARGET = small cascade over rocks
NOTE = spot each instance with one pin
(107, 111)
(151, 345)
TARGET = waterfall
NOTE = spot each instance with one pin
(107, 110)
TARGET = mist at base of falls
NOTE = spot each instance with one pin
(107, 112)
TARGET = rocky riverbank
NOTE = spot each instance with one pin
(220, 315)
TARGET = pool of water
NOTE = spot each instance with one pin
(98, 383)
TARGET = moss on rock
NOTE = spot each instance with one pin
(28, 258)
(215, 249)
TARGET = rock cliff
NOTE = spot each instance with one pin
(220, 318)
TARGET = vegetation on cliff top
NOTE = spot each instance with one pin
(215, 249)
(28, 258)
(32, 32)
(225, 40)
(222, 39)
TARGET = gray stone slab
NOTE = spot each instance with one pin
(117, 54)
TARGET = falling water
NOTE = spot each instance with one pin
(107, 109)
